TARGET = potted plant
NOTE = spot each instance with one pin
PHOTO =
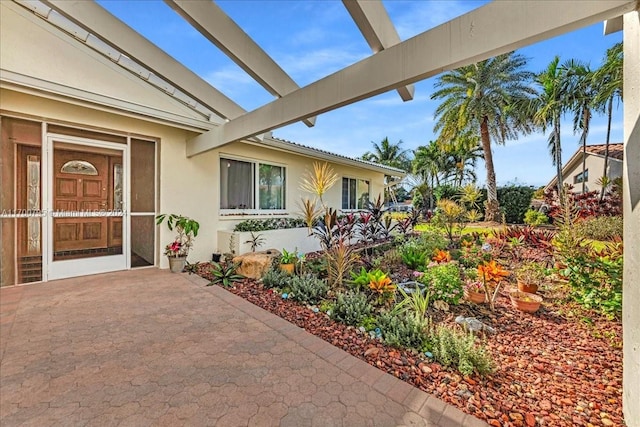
(529, 276)
(474, 292)
(178, 250)
(288, 261)
(524, 301)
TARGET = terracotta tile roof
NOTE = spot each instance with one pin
(615, 150)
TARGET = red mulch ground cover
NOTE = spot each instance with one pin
(551, 371)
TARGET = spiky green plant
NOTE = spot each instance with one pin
(224, 273)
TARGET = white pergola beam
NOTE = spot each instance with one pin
(496, 28)
(375, 25)
(95, 19)
(223, 32)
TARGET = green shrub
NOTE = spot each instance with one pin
(534, 218)
(275, 278)
(413, 256)
(453, 348)
(308, 289)
(601, 228)
(351, 308)
(443, 282)
(269, 224)
(515, 201)
(404, 330)
(596, 279)
(429, 241)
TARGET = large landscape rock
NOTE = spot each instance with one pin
(255, 264)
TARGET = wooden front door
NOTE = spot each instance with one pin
(81, 187)
(86, 205)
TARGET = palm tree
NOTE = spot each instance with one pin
(432, 165)
(463, 150)
(580, 93)
(488, 97)
(387, 153)
(548, 108)
(608, 81)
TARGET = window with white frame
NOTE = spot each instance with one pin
(355, 193)
(251, 185)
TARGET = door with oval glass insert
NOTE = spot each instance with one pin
(86, 200)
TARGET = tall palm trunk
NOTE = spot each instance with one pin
(492, 211)
(586, 118)
(558, 153)
(606, 145)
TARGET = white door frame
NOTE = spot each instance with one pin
(82, 266)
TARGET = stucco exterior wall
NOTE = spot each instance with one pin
(178, 191)
(296, 165)
(595, 165)
(189, 186)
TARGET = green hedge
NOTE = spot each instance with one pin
(514, 202)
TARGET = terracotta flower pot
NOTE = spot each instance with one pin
(476, 297)
(530, 288)
(288, 268)
(523, 301)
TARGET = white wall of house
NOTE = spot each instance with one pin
(189, 186)
(297, 166)
(595, 166)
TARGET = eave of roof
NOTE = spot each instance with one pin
(318, 153)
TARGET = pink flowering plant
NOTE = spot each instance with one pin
(474, 286)
(186, 229)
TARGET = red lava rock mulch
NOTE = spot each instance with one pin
(550, 371)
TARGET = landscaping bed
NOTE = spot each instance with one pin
(516, 325)
(551, 369)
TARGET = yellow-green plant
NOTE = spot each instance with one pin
(309, 211)
(449, 215)
(320, 180)
(568, 240)
(473, 215)
(383, 289)
(340, 258)
(470, 196)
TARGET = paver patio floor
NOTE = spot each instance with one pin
(147, 347)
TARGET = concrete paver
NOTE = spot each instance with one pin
(148, 347)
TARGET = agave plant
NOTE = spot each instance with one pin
(224, 273)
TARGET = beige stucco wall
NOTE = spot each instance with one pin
(595, 165)
(297, 166)
(179, 190)
(188, 186)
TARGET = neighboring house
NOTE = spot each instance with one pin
(93, 147)
(594, 168)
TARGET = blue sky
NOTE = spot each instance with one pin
(311, 39)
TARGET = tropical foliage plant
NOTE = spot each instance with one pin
(224, 273)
